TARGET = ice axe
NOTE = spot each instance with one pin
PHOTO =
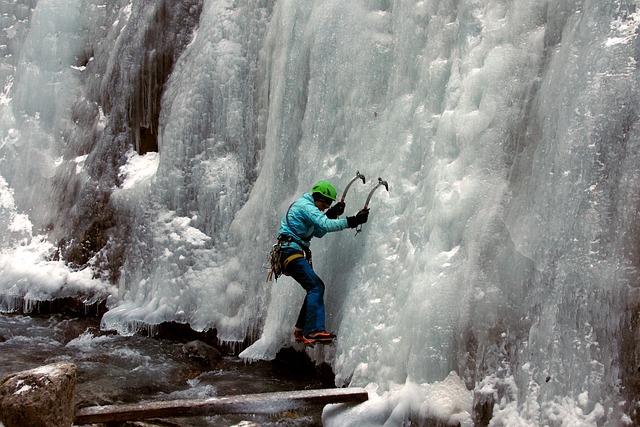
(358, 175)
(366, 204)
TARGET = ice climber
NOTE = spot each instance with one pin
(305, 219)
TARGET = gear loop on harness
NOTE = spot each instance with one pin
(278, 265)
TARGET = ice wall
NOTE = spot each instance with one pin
(183, 263)
(504, 251)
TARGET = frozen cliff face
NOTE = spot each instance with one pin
(83, 84)
(156, 147)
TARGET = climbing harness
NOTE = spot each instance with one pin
(278, 266)
(366, 204)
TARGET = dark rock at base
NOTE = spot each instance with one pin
(182, 332)
(483, 404)
(70, 306)
(290, 363)
(40, 397)
(204, 352)
(297, 365)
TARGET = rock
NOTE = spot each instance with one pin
(198, 349)
(483, 403)
(40, 397)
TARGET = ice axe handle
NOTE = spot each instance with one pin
(358, 175)
(380, 182)
(366, 204)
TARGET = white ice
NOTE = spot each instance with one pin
(499, 261)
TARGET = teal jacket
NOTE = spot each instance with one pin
(303, 220)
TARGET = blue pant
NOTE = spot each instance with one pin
(311, 317)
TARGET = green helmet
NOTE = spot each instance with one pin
(324, 188)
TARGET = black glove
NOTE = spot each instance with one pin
(335, 211)
(359, 218)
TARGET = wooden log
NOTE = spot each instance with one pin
(262, 403)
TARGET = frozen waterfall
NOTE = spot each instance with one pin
(149, 149)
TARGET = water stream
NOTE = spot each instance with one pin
(113, 369)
